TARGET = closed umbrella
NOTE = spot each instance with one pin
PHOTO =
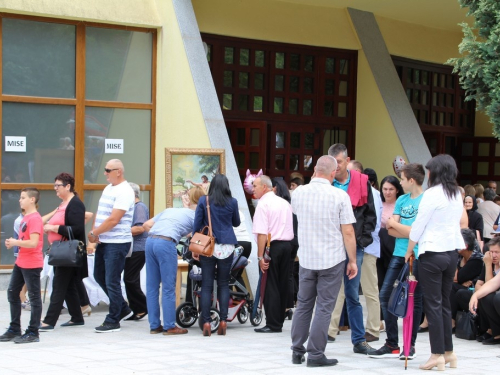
(408, 319)
(261, 286)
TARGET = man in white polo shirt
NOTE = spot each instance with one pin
(325, 233)
(112, 233)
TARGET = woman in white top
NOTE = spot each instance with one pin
(437, 231)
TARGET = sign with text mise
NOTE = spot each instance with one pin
(114, 146)
(15, 144)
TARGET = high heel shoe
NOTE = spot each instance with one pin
(451, 358)
(289, 314)
(207, 329)
(222, 328)
(87, 310)
(433, 362)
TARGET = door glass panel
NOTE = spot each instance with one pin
(259, 81)
(293, 105)
(424, 97)
(328, 108)
(228, 78)
(329, 87)
(257, 103)
(228, 55)
(307, 107)
(118, 65)
(343, 88)
(240, 136)
(240, 159)
(243, 103)
(467, 149)
(280, 139)
(131, 125)
(254, 137)
(254, 160)
(308, 85)
(497, 169)
(278, 105)
(244, 56)
(38, 58)
(294, 162)
(294, 61)
(342, 110)
(308, 162)
(425, 78)
(227, 101)
(309, 64)
(344, 66)
(466, 167)
(483, 149)
(278, 83)
(482, 168)
(330, 65)
(294, 84)
(50, 142)
(309, 141)
(294, 140)
(259, 59)
(279, 162)
(280, 60)
(243, 80)
(497, 150)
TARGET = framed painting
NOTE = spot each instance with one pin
(188, 167)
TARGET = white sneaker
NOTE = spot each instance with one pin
(26, 305)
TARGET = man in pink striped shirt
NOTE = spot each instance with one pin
(273, 215)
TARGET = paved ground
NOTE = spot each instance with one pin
(78, 350)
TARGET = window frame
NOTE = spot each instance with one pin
(80, 104)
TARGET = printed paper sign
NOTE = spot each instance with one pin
(15, 144)
(114, 146)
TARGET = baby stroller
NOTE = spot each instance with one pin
(240, 303)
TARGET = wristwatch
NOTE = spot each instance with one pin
(260, 258)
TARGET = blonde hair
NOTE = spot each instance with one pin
(195, 193)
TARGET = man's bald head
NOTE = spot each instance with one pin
(116, 163)
(326, 167)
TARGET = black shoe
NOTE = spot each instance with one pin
(369, 337)
(266, 329)
(385, 352)
(331, 339)
(491, 341)
(27, 338)
(289, 314)
(47, 328)
(363, 348)
(298, 359)
(9, 335)
(423, 329)
(412, 354)
(484, 336)
(71, 324)
(107, 327)
(127, 313)
(320, 362)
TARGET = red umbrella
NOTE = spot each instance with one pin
(408, 319)
(263, 280)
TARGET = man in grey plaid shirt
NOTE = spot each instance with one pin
(325, 233)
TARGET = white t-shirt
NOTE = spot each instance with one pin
(120, 197)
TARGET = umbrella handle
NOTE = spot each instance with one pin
(412, 258)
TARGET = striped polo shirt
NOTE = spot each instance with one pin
(120, 197)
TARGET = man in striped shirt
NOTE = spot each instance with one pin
(112, 233)
(325, 233)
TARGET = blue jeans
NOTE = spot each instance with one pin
(354, 308)
(161, 266)
(207, 285)
(391, 321)
(108, 268)
(30, 277)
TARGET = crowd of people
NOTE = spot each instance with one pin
(330, 238)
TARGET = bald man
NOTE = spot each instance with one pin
(112, 233)
(325, 233)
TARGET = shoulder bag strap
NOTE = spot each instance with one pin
(70, 233)
(209, 219)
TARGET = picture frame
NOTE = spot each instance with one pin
(187, 167)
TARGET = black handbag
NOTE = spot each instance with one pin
(465, 326)
(398, 302)
(66, 253)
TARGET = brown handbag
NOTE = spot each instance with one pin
(201, 243)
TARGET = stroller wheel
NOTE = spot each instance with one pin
(257, 319)
(186, 315)
(243, 314)
(215, 315)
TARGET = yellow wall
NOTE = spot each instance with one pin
(377, 143)
(483, 128)
(277, 22)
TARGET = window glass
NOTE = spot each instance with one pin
(118, 65)
(50, 135)
(133, 126)
(38, 58)
(254, 137)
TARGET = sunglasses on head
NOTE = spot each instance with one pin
(110, 170)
